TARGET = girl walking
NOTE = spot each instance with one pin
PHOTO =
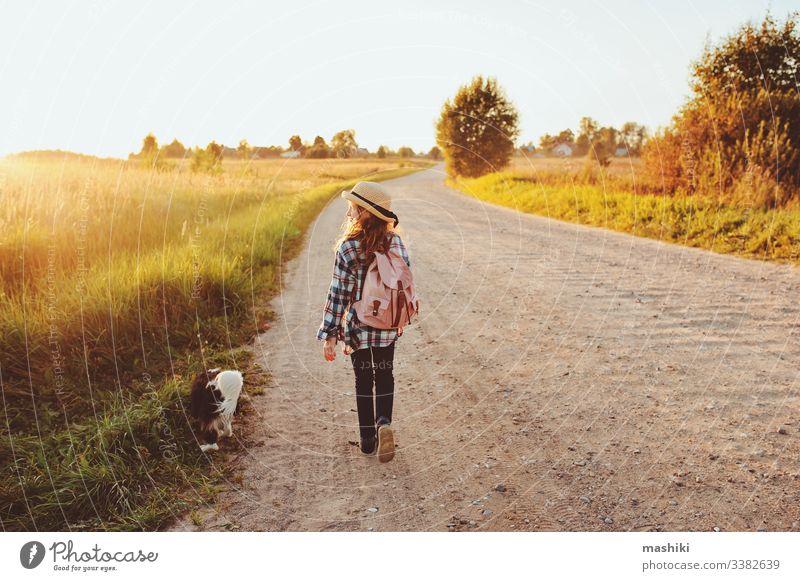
(370, 228)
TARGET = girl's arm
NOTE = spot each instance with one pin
(339, 294)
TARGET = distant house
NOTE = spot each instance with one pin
(290, 154)
(562, 150)
(621, 152)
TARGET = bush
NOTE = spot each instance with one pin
(661, 157)
(740, 131)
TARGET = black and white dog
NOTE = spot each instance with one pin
(215, 394)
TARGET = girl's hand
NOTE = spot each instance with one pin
(329, 349)
(347, 350)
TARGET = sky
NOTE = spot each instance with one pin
(96, 76)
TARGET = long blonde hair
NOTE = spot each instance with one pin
(373, 233)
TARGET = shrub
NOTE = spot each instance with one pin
(741, 127)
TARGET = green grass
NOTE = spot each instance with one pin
(119, 282)
(690, 220)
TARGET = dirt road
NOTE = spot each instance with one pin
(561, 377)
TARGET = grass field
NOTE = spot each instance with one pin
(575, 167)
(566, 189)
(117, 282)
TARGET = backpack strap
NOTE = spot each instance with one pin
(401, 302)
(361, 282)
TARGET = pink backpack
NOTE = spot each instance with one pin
(388, 299)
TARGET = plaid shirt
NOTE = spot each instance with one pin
(347, 273)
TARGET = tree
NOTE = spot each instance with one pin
(405, 152)
(244, 149)
(344, 143)
(214, 150)
(435, 153)
(319, 149)
(174, 150)
(547, 142)
(268, 152)
(477, 129)
(208, 159)
(602, 145)
(381, 153)
(295, 143)
(150, 154)
(587, 131)
(601, 153)
(632, 136)
(738, 135)
(566, 136)
(149, 146)
(756, 57)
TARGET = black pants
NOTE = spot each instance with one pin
(373, 368)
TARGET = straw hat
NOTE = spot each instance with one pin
(374, 199)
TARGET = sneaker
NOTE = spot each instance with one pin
(385, 443)
(368, 446)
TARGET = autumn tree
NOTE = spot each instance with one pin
(149, 153)
(547, 142)
(208, 159)
(268, 152)
(566, 136)
(295, 143)
(632, 136)
(738, 135)
(381, 153)
(757, 57)
(344, 143)
(603, 145)
(244, 149)
(214, 149)
(149, 146)
(587, 131)
(175, 149)
(596, 142)
(319, 149)
(477, 129)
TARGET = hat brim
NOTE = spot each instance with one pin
(348, 195)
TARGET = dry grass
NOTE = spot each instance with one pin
(116, 279)
(531, 166)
